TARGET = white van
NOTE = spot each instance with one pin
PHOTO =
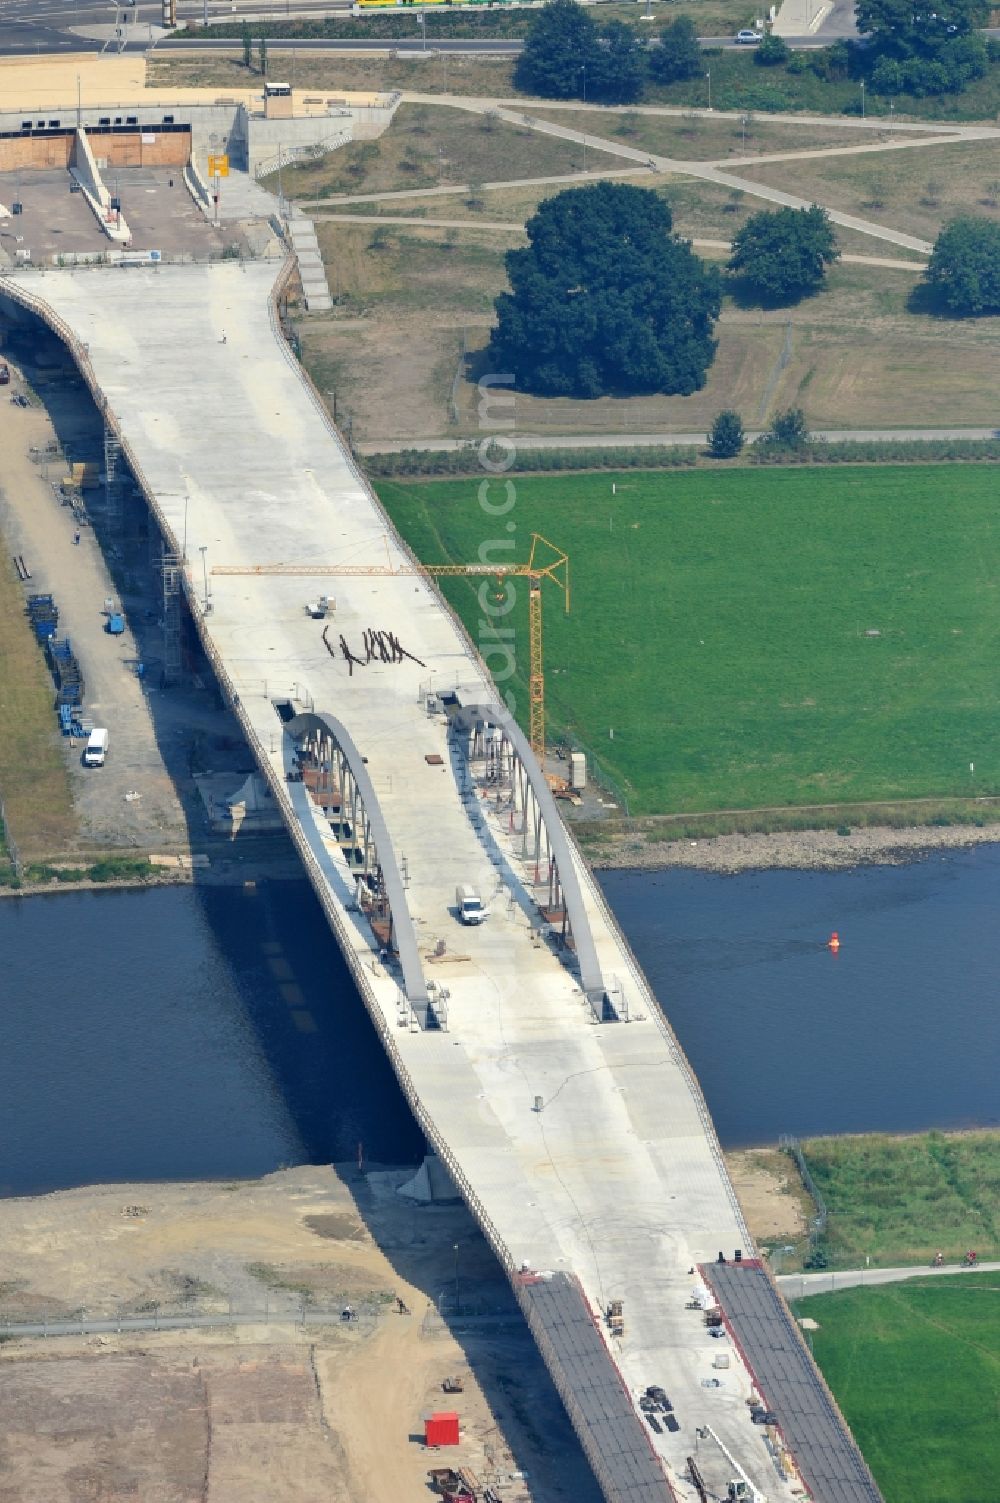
(96, 749)
(469, 905)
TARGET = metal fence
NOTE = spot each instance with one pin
(8, 843)
(202, 1312)
(817, 1225)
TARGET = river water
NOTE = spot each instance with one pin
(898, 1031)
(187, 1033)
(184, 1033)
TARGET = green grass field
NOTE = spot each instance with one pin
(901, 1200)
(719, 623)
(916, 1370)
(34, 782)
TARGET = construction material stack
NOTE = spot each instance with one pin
(66, 671)
(43, 613)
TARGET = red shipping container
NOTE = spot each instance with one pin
(441, 1430)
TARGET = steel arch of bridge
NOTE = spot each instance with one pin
(543, 824)
(325, 744)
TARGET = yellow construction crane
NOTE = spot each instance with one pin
(545, 561)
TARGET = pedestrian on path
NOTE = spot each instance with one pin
(76, 537)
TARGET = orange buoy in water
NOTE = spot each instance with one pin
(833, 943)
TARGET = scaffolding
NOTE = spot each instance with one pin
(112, 485)
(170, 573)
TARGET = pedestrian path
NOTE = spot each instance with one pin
(802, 1285)
(516, 227)
(712, 172)
(669, 440)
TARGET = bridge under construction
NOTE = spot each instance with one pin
(530, 1047)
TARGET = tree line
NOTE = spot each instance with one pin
(569, 55)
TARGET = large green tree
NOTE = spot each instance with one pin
(678, 54)
(618, 72)
(605, 299)
(965, 266)
(559, 53)
(784, 254)
(902, 29)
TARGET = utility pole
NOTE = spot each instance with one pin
(583, 71)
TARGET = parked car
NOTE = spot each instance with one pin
(749, 37)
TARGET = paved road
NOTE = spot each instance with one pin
(526, 440)
(802, 1285)
(53, 26)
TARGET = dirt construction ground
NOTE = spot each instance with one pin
(271, 1408)
(278, 1412)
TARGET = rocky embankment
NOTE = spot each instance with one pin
(819, 850)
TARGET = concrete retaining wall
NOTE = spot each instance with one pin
(266, 139)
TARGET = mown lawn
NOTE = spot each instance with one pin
(901, 1200)
(721, 622)
(34, 783)
(916, 1369)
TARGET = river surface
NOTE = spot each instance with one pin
(188, 1033)
(898, 1031)
(184, 1033)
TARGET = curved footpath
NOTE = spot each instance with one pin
(618, 1177)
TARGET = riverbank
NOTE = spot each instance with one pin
(638, 848)
(221, 863)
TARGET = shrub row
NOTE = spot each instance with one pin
(878, 451)
(466, 461)
(401, 23)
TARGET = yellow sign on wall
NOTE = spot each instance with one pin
(218, 166)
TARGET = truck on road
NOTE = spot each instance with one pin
(96, 749)
(469, 904)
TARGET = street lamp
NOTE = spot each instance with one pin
(583, 71)
(708, 75)
(422, 18)
(892, 113)
(204, 570)
(457, 1301)
(862, 99)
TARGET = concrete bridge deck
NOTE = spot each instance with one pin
(618, 1180)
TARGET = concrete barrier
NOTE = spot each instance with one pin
(84, 168)
(198, 188)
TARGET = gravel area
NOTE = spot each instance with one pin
(815, 850)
